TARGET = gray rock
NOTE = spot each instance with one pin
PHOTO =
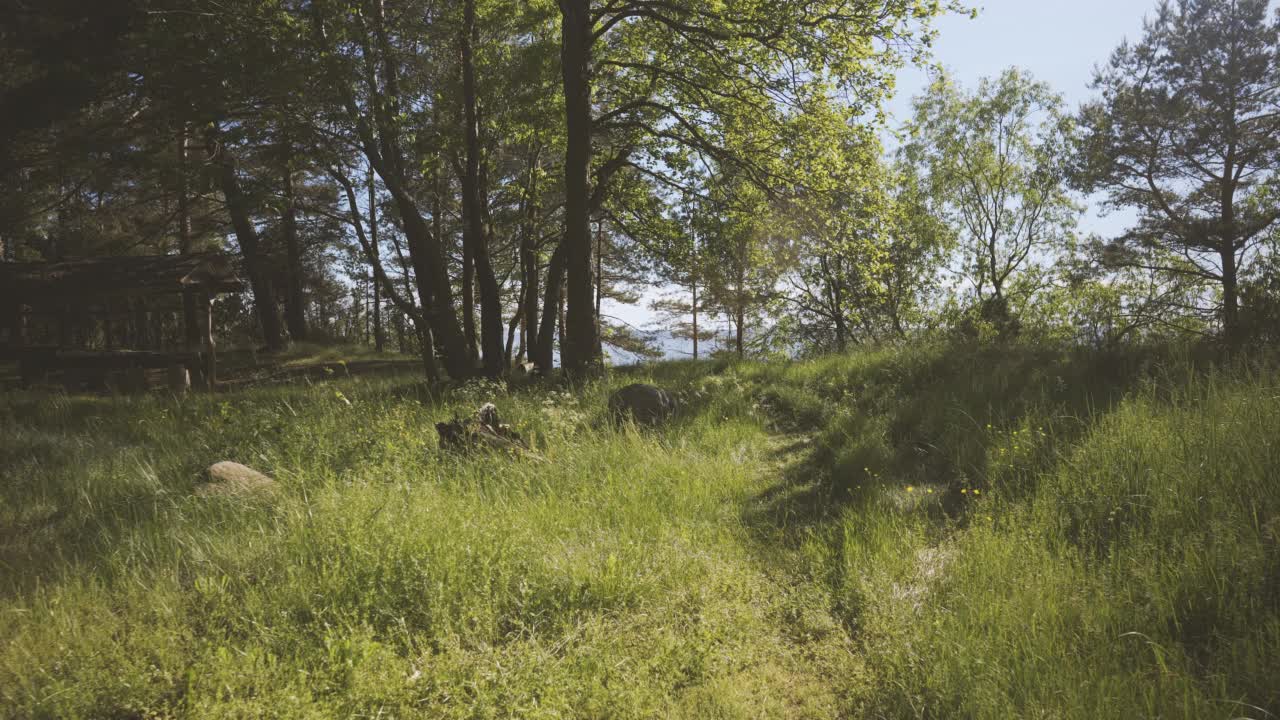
(645, 404)
(233, 479)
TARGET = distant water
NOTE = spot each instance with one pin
(673, 348)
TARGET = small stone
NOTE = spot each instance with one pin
(233, 479)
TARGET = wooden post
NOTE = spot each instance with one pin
(13, 325)
(158, 337)
(80, 325)
(108, 337)
(210, 358)
(20, 325)
(142, 339)
(28, 369)
(179, 379)
(64, 326)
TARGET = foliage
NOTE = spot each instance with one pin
(1186, 132)
(996, 162)
(868, 256)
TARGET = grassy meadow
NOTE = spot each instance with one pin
(920, 532)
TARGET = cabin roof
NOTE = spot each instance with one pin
(118, 276)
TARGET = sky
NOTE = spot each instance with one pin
(1058, 41)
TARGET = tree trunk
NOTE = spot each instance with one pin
(264, 298)
(997, 282)
(367, 282)
(469, 289)
(560, 319)
(1230, 297)
(740, 305)
(425, 250)
(529, 262)
(694, 307)
(377, 255)
(517, 321)
(580, 346)
(294, 303)
(837, 305)
(404, 301)
(543, 354)
(432, 279)
(473, 197)
(523, 354)
(599, 289)
(741, 320)
(190, 321)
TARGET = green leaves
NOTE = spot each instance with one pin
(1186, 132)
(996, 162)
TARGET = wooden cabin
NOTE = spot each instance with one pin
(93, 320)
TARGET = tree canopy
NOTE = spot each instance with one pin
(485, 178)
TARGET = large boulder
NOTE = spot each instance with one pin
(645, 404)
(233, 479)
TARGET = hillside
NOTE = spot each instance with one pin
(929, 531)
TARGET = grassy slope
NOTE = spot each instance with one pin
(924, 532)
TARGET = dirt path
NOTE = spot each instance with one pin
(812, 665)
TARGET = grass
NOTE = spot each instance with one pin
(925, 532)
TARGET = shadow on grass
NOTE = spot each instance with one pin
(946, 421)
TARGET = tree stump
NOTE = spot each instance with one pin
(484, 430)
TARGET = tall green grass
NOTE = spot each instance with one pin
(1038, 534)
(919, 532)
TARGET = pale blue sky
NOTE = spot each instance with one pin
(1060, 43)
(1057, 42)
